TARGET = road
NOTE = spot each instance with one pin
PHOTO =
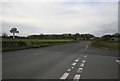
(77, 61)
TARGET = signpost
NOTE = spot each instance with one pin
(14, 30)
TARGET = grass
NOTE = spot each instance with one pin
(9, 44)
(107, 45)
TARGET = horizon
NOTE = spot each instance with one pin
(57, 34)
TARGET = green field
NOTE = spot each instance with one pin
(15, 44)
(106, 45)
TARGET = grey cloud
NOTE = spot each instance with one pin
(107, 29)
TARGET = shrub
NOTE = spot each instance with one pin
(13, 43)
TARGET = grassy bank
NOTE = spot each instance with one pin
(11, 44)
(106, 45)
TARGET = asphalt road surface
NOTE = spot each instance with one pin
(70, 61)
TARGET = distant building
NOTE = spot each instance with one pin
(115, 39)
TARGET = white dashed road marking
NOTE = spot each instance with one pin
(77, 60)
(118, 61)
(77, 77)
(85, 56)
(79, 70)
(83, 61)
(82, 65)
(74, 64)
(86, 47)
(65, 75)
(69, 70)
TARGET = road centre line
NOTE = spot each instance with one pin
(64, 76)
(73, 64)
(79, 70)
(77, 77)
(77, 60)
(69, 70)
(85, 56)
(83, 61)
(82, 65)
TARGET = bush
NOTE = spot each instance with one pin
(13, 43)
(106, 45)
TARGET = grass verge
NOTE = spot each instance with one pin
(17, 44)
(106, 45)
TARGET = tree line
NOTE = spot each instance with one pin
(76, 36)
(109, 37)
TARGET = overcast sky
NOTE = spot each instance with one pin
(97, 17)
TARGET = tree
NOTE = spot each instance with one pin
(106, 37)
(76, 36)
(4, 35)
(116, 35)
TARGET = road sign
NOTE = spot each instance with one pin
(14, 30)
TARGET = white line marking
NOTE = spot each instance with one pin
(77, 60)
(82, 65)
(77, 77)
(79, 70)
(118, 61)
(83, 61)
(69, 70)
(85, 56)
(64, 76)
(73, 64)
